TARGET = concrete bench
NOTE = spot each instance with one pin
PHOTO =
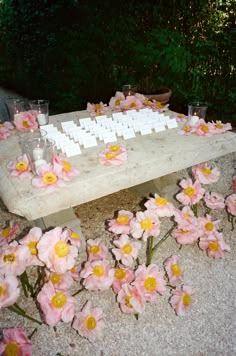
(151, 158)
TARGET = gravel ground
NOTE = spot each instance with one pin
(208, 329)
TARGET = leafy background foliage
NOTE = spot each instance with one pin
(72, 52)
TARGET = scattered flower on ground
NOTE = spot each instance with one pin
(26, 121)
(181, 299)
(14, 342)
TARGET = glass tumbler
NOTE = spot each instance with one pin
(41, 107)
(15, 106)
(129, 89)
(196, 111)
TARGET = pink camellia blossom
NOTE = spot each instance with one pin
(181, 300)
(208, 226)
(187, 130)
(174, 271)
(205, 174)
(122, 275)
(97, 275)
(127, 250)
(26, 121)
(30, 241)
(8, 125)
(89, 322)
(9, 290)
(54, 250)
(4, 133)
(97, 109)
(73, 237)
(20, 167)
(230, 203)
(203, 128)
(56, 305)
(47, 178)
(214, 245)
(116, 101)
(218, 127)
(13, 259)
(144, 225)
(191, 193)
(186, 233)
(113, 155)
(130, 300)
(149, 281)
(64, 169)
(140, 97)
(63, 281)
(185, 215)
(8, 233)
(121, 225)
(158, 106)
(96, 250)
(181, 117)
(15, 343)
(132, 103)
(160, 206)
(75, 273)
(214, 201)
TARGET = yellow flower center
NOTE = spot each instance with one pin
(147, 102)
(133, 105)
(127, 249)
(161, 201)
(90, 322)
(110, 155)
(25, 124)
(9, 258)
(204, 128)
(98, 271)
(115, 148)
(49, 178)
(61, 248)
(186, 128)
(219, 126)
(2, 291)
(6, 232)
(187, 215)
(55, 278)
(21, 166)
(209, 226)
(120, 273)
(150, 283)
(180, 116)
(176, 270)
(12, 349)
(97, 107)
(213, 246)
(94, 249)
(117, 102)
(59, 300)
(32, 247)
(159, 104)
(66, 166)
(75, 235)
(146, 224)
(122, 219)
(127, 303)
(206, 170)
(190, 191)
(186, 299)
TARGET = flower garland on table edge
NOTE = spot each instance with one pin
(54, 255)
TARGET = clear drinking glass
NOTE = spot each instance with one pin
(129, 89)
(197, 110)
(41, 107)
(29, 135)
(15, 106)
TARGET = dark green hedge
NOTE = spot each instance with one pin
(72, 52)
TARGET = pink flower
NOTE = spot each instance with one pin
(121, 225)
(160, 206)
(47, 178)
(64, 169)
(30, 241)
(75, 273)
(15, 343)
(56, 305)
(186, 130)
(218, 127)
(73, 237)
(191, 194)
(122, 275)
(96, 250)
(132, 102)
(149, 281)
(127, 250)
(158, 106)
(9, 290)
(97, 275)
(20, 167)
(63, 281)
(208, 226)
(130, 300)
(230, 203)
(89, 322)
(55, 252)
(26, 121)
(214, 200)
(181, 300)
(97, 109)
(7, 125)
(214, 245)
(113, 155)
(185, 215)
(205, 174)
(13, 259)
(203, 129)
(8, 233)
(116, 101)
(144, 225)
(174, 271)
(4, 133)
(186, 233)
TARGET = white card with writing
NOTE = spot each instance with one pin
(128, 133)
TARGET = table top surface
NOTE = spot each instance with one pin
(149, 157)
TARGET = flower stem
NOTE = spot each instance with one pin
(165, 237)
(149, 250)
(78, 291)
(194, 209)
(26, 284)
(19, 311)
(33, 332)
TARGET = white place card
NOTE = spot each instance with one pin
(172, 123)
(89, 141)
(159, 128)
(145, 130)
(117, 115)
(71, 151)
(110, 137)
(128, 133)
(84, 121)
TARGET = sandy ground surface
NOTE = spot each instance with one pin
(208, 329)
